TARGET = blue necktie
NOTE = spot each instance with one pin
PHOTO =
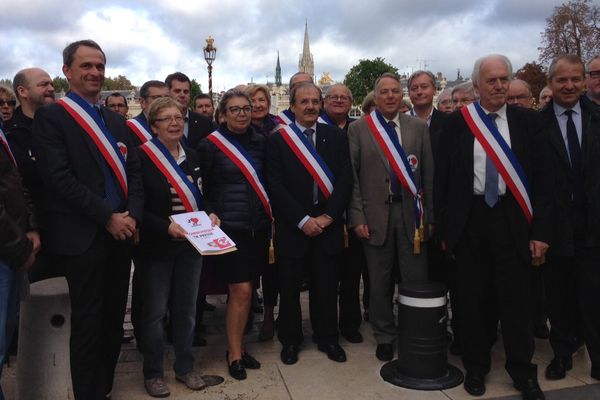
(315, 192)
(491, 175)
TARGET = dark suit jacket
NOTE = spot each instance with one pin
(199, 127)
(563, 186)
(158, 206)
(70, 165)
(290, 189)
(435, 128)
(453, 189)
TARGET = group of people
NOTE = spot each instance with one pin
(480, 192)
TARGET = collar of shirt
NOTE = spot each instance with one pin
(412, 113)
(500, 112)
(182, 156)
(396, 120)
(560, 110)
(303, 128)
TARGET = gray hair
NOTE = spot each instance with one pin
(466, 87)
(542, 92)
(587, 66)
(527, 85)
(304, 85)
(570, 58)
(477, 66)
(418, 73)
(296, 74)
(230, 94)
(386, 75)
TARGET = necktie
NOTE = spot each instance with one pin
(491, 175)
(111, 192)
(573, 143)
(395, 186)
(315, 192)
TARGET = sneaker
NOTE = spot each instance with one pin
(156, 387)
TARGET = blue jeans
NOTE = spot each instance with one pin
(173, 272)
(8, 311)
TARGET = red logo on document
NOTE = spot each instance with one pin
(221, 243)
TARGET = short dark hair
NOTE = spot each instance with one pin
(304, 85)
(177, 76)
(202, 96)
(570, 58)
(150, 84)
(416, 74)
(69, 51)
(19, 80)
(230, 94)
(115, 94)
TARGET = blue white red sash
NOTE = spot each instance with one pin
(505, 160)
(4, 143)
(163, 160)
(308, 156)
(286, 117)
(141, 130)
(91, 122)
(388, 141)
(231, 147)
(324, 119)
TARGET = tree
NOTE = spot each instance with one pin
(60, 84)
(361, 77)
(6, 83)
(194, 91)
(534, 74)
(573, 28)
(119, 83)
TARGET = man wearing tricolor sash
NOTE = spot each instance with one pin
(138, 125)
(309, 183)
(93, 204)
(494, 210)
(391, 203)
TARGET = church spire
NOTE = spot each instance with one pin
(278, 71)
(306, 64)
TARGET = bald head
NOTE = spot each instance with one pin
(519, 94)
(33, 88)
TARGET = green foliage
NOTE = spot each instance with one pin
(6, 83)
(361, 77)
(194, 91)
(60, 84)
(119, 83)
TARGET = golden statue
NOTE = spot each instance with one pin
(325, 79)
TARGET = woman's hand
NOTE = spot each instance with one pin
(176, 231)
(214, 219)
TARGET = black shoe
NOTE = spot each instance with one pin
(198, 341)
(334, 351)
(541, 331)
(530, 389)
(289, 354)
(475, 384)
(237, 370)
(249, 362)
(385, 351)
(455, 348)
(353, 337)
(558, 368)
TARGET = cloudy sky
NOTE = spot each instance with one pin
(151, 38)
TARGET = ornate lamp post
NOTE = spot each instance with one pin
(210, 52)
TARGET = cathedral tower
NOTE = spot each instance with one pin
(306, 64)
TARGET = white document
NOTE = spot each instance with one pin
(207, 239)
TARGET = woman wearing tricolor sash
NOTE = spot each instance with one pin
(232, 160)
(171, 266)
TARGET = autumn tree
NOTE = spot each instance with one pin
(573, 28)
(361, 77)
(534, 74)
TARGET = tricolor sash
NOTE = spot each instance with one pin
(4, 143)
(324, 119)
(141, 130)
(163, 160)
(308, 156)
(286, 117)
(388, 141)
(91, 122)
(232, 148)
(496, 148)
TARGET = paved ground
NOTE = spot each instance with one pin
(315, 377)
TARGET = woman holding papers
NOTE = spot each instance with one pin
(232, 166)
(171, 265)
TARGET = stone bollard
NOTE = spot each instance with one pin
(422, 344)
(43, 369)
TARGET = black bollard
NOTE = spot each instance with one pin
(422, 362)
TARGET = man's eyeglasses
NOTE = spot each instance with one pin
(170, 119)
(594, 74)
(339, 98)
(11, 103)
(235, 110)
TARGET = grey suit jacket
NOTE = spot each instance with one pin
(369, 202)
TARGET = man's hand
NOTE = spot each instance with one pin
(311, 228)
(324, 221)
(538, 249)
(214, 220)
(121, 226)
(362, 231)
(34, 237)
(176, 231)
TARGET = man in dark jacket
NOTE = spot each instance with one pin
(19, 243)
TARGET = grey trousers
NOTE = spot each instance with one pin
(380, 262)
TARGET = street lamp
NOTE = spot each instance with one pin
(210, 52)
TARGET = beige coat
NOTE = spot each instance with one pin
(369, 202)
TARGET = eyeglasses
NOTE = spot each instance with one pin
(446, 102)
(235, 110)
(11, 103)
(170, 119)
(339, 98)
(594, 74)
